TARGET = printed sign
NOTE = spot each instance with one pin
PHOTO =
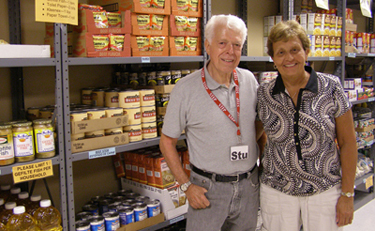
(33, 171)
(57, 11)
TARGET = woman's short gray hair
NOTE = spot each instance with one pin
(230, 21)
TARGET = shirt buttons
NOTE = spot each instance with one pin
(297, 143)
(295, 122)
(295, 134)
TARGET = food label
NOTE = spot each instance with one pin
(44, 140)
(6, 147)
(23, 144)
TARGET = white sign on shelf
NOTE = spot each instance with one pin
(365, 8)
(145, 59)
(322, 4)
(102, 153)
(351, 55)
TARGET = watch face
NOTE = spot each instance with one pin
(183, 187)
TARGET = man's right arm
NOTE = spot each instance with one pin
(195, 194)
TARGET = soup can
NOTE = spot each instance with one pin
(153, 207)
(97, 223)
(149, 130)
(114, 111)
(134, 115)
(147, 97)
(92, 208)
(129, 99)
(79, 115)
(134, 132)
(93, 114)
(140, 211)
(83, 226)
(84, 216)
(111, 98)
(126, 215)
(111, 220)
(97, 97)
(148, 114)
(113, 131)
(86, 95)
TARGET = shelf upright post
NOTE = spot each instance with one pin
(288, 9)
(66, 119)
(341, 11)
(242, 13)
(206, 17)
(16, 73)
(60, 125)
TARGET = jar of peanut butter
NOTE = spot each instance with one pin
(44, 138)
(23, 141)
(6, 145)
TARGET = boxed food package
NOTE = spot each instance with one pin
(149, 45)
(184, 26)
(353, 83)
(193, 8)
(163, 175)
(352, 95)
(185, 46)
(149, 24)
(148, 7)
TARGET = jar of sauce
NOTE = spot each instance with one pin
(44, 138)
(23, 141)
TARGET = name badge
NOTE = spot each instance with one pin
(240, 152)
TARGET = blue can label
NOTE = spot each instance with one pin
(153, 210)
(97, 226)
(126, 216)
(86, 228)
(112, 223)
(140, 214)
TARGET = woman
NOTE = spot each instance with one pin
(306, 180)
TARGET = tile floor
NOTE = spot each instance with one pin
(364, 218)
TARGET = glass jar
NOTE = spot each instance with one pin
(44, 138)
(6, 145)
(23, 142)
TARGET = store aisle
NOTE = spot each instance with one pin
(363, 218)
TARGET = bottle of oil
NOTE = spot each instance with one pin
(8, 212)
(34, 204)
(2, 227)
(20, 221)
(48, 217)
(2, 206)
(5, 192)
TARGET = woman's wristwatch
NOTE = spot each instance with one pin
(347, 194)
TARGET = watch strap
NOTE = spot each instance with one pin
(347, 194)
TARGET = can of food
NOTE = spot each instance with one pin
(110, 195)
(184, 73)
(96, 199)
(45, 113)
(79, 115)
(111, 220)
(142, 78)
(95, 134)
(162, 100)
(78, 136)
(134, 115)
(159, 123)
(140, 211)
(83, 226)
(122, 192)
(94, 114)
(114, 111)
(126, 215)
(92, 208)
(129, 99)
(148, 114)
(133, 80)
(132, 195)
(97, 223)
(153, 207)
(113, 131)
(134, 132)
(103, 206)
(32, 113)
(176, 75)
(44, 138)
(97, 97)
(149, 130)
(6, 145)
(129, 201)
(111, 98)
(124, 78)
(118, 198)
(86, 95)
(113, 206)
(151, 78)
(147, 97)
(23, 142)
(163, 77)
(84, 216)
(142, 199)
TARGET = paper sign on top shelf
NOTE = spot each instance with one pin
(32, 171)
(57, 11)
(365, 8)
(322, 4)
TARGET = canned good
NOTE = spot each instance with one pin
(129, 99)
(97, 199)
(149, 130)
(94, 134)
(110, 195)
(132, 195)
(78, 136)
(113, 206)
(111, 98)
(86, 95)
(133, 80)
(151, 78)
(44, 138)
(113, 131)
(162, 100)
(111, 220)
(134, 115)
(142, 199)
(176, 76)
(97, 223)
(45, 113)
(32, 113)
(147, 97)
(114, 111)
(153, 207)
(103, 206)
(91, 208)
(184, 73)
(126, 216)
(134, 132)
(83, 216)
(94, 114)
(6, 145)
(122, 192)
(97, 97)
(142, 78)
(140, 212)
(23, 142)
(129, 201)
(78, 115)
(83, 226)
(163, 77)
(148, 114)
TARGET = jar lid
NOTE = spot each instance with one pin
(15, 190)
(5, 187)
(45, 203)
(5, 126)
(42, 121)
(152, 73)
(37, 197)
(10, 205)
(19, 209)
(176, 72)
(23, 195)
(22, 124)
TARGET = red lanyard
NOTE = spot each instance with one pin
(221, 106)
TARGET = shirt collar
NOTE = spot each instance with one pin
(312, 84)
(211, 83)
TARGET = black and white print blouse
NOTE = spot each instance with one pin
(301, 157)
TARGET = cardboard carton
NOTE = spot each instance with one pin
(99, 142)
(175, 32)
(143, 224)
(93, 125)
(137, 31)
(174, 52)
(189, 12)
(133, 5)
(136, 52)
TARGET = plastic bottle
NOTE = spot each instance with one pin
(23, 200)
(14, 194)
(5, 192)
(34, 204)
(21, 221)
(8, 212)
(2, 227)
(2, 206)
(48, 217)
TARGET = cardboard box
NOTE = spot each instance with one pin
(25, 51)
(86, 24)
(83, 46)
(100, 142)
(351, 27)
(134, 6)
(137, 31)
(164, 89)
(352, 83)
(189, 12)
(93, 125)
(174, 52)
(352, 95)
(136, 52)
(175, 32)
(142, 224)
(167, 206)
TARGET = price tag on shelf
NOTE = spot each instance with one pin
(351, 55)
(145, 59)
(371, 54)
(102, 153)
(331, 58)
(369, 182)
(33, 171)
(0, 172)
(270, 60)
(176, 219)
(371, 99)
(57, 11)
